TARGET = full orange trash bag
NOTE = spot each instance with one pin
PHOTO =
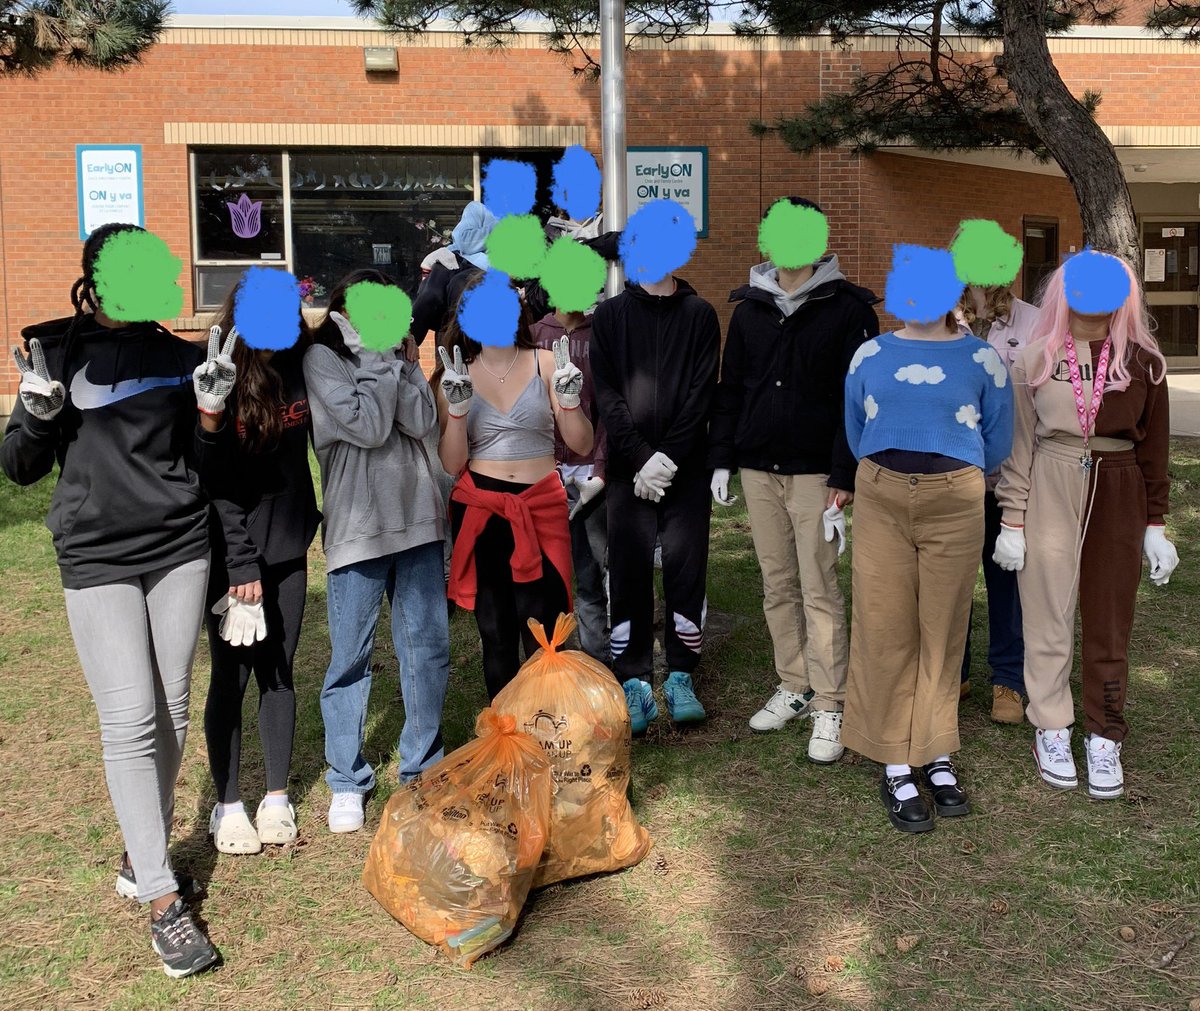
(457, 848)
(576, 710)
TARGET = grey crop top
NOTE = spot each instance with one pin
(523, 433)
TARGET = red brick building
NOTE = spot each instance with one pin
(353, 166)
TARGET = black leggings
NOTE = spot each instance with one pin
(503, 606)
(271, 660)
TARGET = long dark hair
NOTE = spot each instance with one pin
(453, 335)
(259, 390)
(326, 332)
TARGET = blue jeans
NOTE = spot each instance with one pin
(415, 585)
(1006, 640)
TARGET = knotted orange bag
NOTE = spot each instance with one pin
(457, 848)
(576, 710)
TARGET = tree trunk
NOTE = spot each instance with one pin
(1073, 137)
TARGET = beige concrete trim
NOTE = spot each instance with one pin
(1153, 136)
(7, 402)
(374, 134)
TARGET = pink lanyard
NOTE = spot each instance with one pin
(1087, 416)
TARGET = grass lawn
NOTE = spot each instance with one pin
(773, 883)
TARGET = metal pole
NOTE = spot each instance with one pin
(612, 120)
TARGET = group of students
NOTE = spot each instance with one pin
(577, 454)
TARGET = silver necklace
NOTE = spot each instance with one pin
(506, 371)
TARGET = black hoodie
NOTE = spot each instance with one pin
(130, 449)
(783, 380)
(654, 366)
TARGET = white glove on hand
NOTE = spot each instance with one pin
(658, 473)
(1010, 549)
(588, 490)
(835, 523)
(244, 624)
(643, 490)
(214, 380)
(349, 334)
(1161, 555)
(456, 383)
(720, 487)
(42, 396)
(567, 379)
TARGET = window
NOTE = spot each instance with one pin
(1041, 255)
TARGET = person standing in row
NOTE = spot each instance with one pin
(928, 413)
(264, 518)
(1084, 494)
(654, 356)
(779, 417)
(382, 533)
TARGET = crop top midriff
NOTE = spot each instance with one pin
(525, 432)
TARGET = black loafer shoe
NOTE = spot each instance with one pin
(906, 815)
(950, 801)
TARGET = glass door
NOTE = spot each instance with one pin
(1171, 276)
(1040, 237)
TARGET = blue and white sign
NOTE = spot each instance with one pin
(669, 173)
(110, 185)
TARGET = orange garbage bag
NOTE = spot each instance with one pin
(576, 710)
(457, 848)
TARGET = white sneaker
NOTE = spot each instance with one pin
(276, 823)
(233, 833)
(346, 812)
(825, 745)
(1052, 751)
(781, 707)
(1106, 778)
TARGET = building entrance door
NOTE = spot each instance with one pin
(1171, 276)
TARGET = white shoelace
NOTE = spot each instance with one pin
(781, 701)
(1058, 748)
(348, 802)
(827, 726)
(1104, 759)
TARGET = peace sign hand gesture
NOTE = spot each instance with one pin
(567, 378)
(213, 381)
(457, 387)
(42, 396)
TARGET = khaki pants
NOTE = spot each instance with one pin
(1103, 574)
(801, 599)
(917, 540)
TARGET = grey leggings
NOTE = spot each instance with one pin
(136, 640)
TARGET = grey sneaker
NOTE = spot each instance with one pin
(181, 945)
(187, 887)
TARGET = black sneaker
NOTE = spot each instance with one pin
(187, 887)
(180, 943)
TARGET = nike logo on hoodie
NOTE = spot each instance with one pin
(87, 396)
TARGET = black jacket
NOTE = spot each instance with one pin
(438, 295)
(779, 405)
(654, 365)
(130, 448)
(265, 511)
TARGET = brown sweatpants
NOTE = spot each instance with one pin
(1109, 567)
(917, 539)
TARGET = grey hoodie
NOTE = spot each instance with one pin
(369, 417)
(766, 277)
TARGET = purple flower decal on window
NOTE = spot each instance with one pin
(246, 216)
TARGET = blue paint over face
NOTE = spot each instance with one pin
(923, 285)
(491, 311)
(659, 239)
(266, 309)
(509, 187)
(577, 183)
(1096, 283)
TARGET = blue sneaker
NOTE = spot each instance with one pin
(682, 703)
(639, 697)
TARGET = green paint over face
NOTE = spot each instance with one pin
(517, 246)
(793, 236)
(985, 254)
(136, 278)
(381, 313)
(572, 275)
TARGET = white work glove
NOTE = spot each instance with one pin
(214, 380)
(243, 623)
(456, 383)
(643, 490)
(567, 379)
(1161, 555)
(720, 487)
(835, 523)
(42, 396)
(658, 473)
(1010, 549)
(588, 490)
(355, 345)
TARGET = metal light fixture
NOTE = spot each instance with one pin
(380, 59)
(1139, 168)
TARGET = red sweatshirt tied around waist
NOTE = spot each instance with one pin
(538, 517)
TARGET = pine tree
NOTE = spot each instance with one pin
(102, 34)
